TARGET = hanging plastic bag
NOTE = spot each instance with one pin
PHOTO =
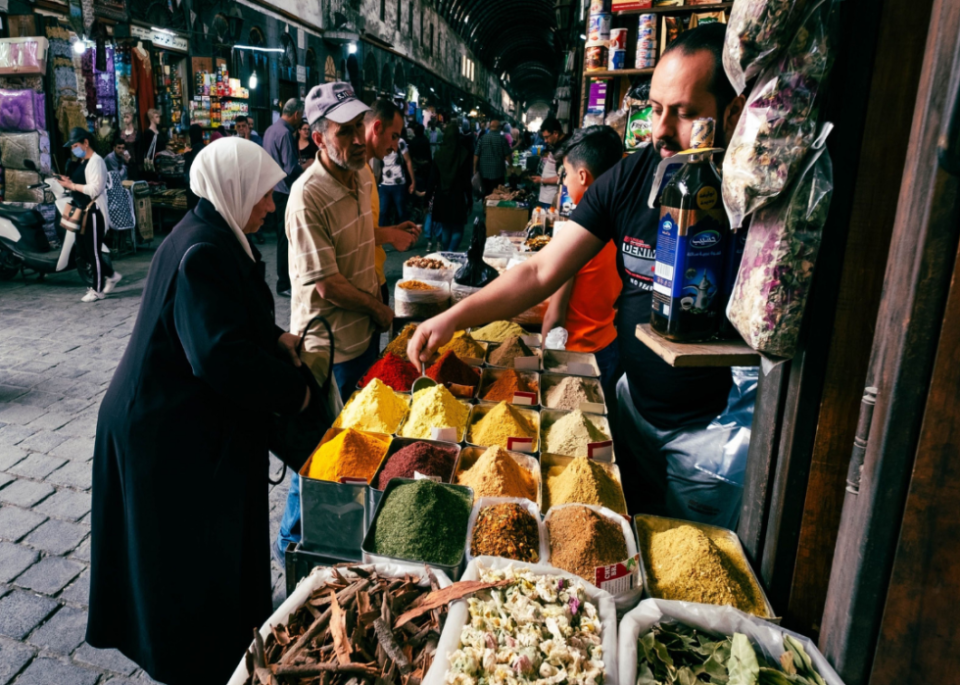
(756, 33)
(779, 123)
(770, 293)
(476, 273)
(706, 468)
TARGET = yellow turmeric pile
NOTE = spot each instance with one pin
(351, 454)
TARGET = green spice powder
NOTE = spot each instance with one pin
(423, 521)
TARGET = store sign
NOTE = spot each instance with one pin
(301, 74)
(597, 99)
(162, 39)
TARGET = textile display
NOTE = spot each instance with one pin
(126, 98)
(18, 110)
(16, 148)
(15, 186)
(64, 76)
(141, 83)
(99, 86)
(46, 161)
(119, 202)
(69, 116)
(28, 82)
(23, 55)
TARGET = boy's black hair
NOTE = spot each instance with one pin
(708, 38)
(595, 148)
(551, 125)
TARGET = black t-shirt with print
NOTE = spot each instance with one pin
(615, 208)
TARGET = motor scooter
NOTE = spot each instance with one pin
(24, 246)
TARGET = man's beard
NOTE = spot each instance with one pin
(672, 144)
(344, 163)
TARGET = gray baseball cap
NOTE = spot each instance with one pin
(334, 101)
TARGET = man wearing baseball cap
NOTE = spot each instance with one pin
(329, 226)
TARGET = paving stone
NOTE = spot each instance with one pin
(10, 456)
(47, 671)
(14, 560)
(57, 537)
(69, 405)
(70, 388)
(25, 493)
(37, 365)
(20, 379)
(12, 434)
(74, 448)
(82, 553)
(5, 479)
(16, 522)
(9, 392)
(43, 441)
(123, 681)
(76, 474)
(35, 398)
(20, 413)
(107, 659)
(50, 575)
(21, 612)
(64, 504)
(79, 590)
(51, 421)
(13, 657)
(37, 466)
(63, 632)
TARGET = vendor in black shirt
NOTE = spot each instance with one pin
(659, 406)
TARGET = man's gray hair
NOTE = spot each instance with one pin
(320, 125)
(292, 106)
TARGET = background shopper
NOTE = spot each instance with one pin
(279, 142)
(492, 154)
(450, 188)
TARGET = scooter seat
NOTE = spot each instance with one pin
(20, 214)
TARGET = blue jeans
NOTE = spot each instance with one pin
(452, 234)
(431, 231)
(395, 198)
(348, 374)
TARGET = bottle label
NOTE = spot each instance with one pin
(690, 262)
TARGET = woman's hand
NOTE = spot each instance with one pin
(287, 342)
(66, 183)
(429, 335)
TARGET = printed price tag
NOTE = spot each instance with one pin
(461, 390)
(531, 340)
(422, 476)
(581, 369)
(592, 407)
(601, 451)
(353, 481)
(619, 577)
(520, 444)
(447, 434)
(526, 363)
(526, 398)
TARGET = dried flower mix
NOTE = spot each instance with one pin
(498, 331)
(376, 408)
(500, 424)
(583, 481)
(419, 457)
(756, 32)
(582, 539)
(393, 370)
(506, 530)
(434, 407)
(351, 454)
(571, 434)
(423, 521)
(509, 383)
(497, 474)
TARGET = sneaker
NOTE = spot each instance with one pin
(111, 283)
(284, 293)
(429, 246)
(91, 296)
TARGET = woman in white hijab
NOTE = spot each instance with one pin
(180, 538)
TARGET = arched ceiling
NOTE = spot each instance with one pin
(515, 37)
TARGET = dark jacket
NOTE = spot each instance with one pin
(180, 539)
(452, 206)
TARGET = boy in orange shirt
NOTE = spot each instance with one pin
(585, 305)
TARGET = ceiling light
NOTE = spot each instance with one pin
(160, 30)
(256, 48)
(253, 81)
(79, 47)
(352, 49)
(582, 37)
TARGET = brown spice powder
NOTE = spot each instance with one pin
(581, 540)
(497, 474)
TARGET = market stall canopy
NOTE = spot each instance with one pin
(511, 37)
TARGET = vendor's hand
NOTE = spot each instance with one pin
(383, 317)
(429, 336)
(411, 228)
(403, 240)
(287, 342)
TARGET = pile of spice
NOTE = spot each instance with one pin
(582, 539)
(583, 481)
(416, 285)
(435, 407)
(510, 349)
(449, 369)
(506, 530)
(498, 331)
(376, 408)
(395, 371)
(500, 423)
(420, 457)
(510, 382)
(349, 455)
(427, 263)
(423, 521)
(683, 563)
(571, 434)
(536, 243)
(381, 646)
(464, 346)
(398, 345)
(497, 474)
(569, 393)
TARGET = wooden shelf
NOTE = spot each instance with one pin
(711, 353)
(676, 9)
(618, 72)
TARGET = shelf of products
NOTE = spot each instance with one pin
(619, 72)
(676, 9)
(709, 353)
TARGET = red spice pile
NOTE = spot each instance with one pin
(394, 371)
(449, 369)
(420, 457)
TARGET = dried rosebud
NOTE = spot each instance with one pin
(574, 605)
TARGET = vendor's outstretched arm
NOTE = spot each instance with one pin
(515, 291)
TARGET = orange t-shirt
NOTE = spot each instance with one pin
(590, 311)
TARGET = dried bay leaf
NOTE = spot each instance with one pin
(743, 668)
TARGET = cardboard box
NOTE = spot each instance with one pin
(509, 219)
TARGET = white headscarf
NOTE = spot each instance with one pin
(234, 174)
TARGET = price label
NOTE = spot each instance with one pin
(525, 398)
(531, 340)
(520, 444)
(527, 363)
(422, 476)
(447, 434)
(581, 369)
(592, 407)
(620, 577)
(601, 451)
(353, 481)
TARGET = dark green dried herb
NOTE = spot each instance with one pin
(423, 521)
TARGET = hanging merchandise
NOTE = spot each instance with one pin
(779, 124)
(638, 131)
(23, 55)
(757, 32)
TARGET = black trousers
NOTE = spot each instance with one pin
(279, 223)
(490, 184)
(89, 243)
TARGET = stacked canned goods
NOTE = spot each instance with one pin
(617, 52)
(647, 42)
(598, 36)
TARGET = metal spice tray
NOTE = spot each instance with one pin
(559, 361)
(548, 417)
(644, 524)
(481, 410)
(406, 397)
(470, 455)
(549, 380)
(549, 461)
(334, 516)
(493, 346)
(298, 563)
(461, 430)
(395, 446)
(371, 557)
(492, 375)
